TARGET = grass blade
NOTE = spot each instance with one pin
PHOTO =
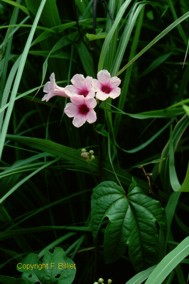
(169, 262)
(19, 76)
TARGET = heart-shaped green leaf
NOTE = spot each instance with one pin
(54, 267)
(134, 221)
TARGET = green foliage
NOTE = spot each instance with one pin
(169, 262)
(134, 221)
(53, 267)
(185, 185)
(128, 205)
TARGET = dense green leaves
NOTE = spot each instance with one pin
(54, 267)
(134, 221)
(72, 156)
(18, 76)
(140, 139)
(48, 19)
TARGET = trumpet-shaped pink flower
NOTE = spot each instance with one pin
(106, 86)
(81, 109)
(81, 86)
(52, 89)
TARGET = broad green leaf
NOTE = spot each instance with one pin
(54, 267)
(30, 278)
(169, 262)
(27, 262)
(28, 268)
(131, 222)
(60, 267)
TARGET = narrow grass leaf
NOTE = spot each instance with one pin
(9, 234)
(55, 243)
(128, 74)
(155, 40)
(49, 16)
(172, 169)
(86, 59)
(18, 5)
(16, 186)
(126, 36)
(23, 58)
(186, 109)
(140, 277)
(170, 211)
(170, 112)
(156, 63)
(177, 133)
(107, 43)
(21, 166)
(73, 156)
(149, 141)
(169, 263)
(185, 185)
(6, 92)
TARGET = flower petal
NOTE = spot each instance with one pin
(52, 89)
(71, 110)
(106, 86)
(79, 120)
(91, 102)
(115, 81)
(91, 116)
(78, 81)
(103, 76)
(77, 99)
(81, 86)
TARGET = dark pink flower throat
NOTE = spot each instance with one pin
(83, 92)
(106, 89)
(83, 109)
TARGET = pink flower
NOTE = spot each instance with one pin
(52, 89)
(81, 109)
(106, 86)
(81, 86)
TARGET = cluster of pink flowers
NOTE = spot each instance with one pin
(84, 93)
